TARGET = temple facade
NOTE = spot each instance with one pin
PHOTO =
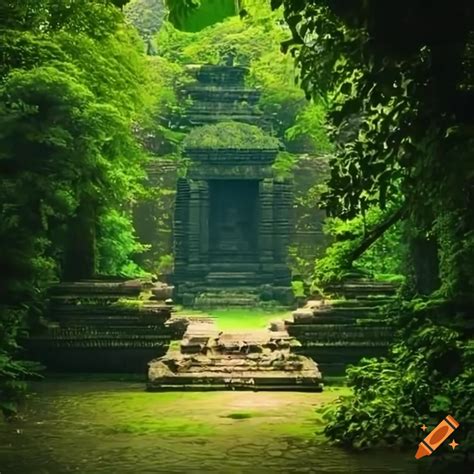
(232, 214)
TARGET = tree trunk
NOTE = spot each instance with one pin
(373, 235)
(424, 256)
(80, 253)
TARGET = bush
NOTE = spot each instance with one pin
(13, 373)
(427, 375)
(230, 135)
(117, 244)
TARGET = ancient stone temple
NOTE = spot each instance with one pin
(232, 215)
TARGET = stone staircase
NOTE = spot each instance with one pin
(218, 297)
(349, 325)
(207, 359)
(104, 325)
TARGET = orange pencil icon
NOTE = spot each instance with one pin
(434, 439)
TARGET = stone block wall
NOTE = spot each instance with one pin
(153, 217)
(307, 240)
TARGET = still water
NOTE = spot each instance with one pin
(116, 427)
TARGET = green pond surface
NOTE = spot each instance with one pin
(94, 426)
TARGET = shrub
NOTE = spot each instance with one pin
(233, 135)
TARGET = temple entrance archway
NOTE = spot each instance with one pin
(233, 220)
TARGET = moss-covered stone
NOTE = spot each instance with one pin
(230, 135)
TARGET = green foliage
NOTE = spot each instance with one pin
(146, 16)
(308, 124)
(246, 41)
(284, 163)
(298, 288)
(395, 108)
(396, 140)
(230, 135)
(384, 257)
(13, 373)
(165, 264)
(456, 255)
(427, 375)
(159, 130)
(207, 13)
(254, 42)
(72, 85)
(179, 10)
(116, 244)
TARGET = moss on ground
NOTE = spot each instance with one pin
(92, 426)
(117, 407)
(242, 319)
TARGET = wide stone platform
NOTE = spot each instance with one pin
(345, 326)
(104, 325)
(206, 359)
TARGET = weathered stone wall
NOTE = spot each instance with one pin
(307, 241)
(153, 217)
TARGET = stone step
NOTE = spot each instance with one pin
(97, 288)
(111, 331)
(219, 277)
(250, 380)
(234, 360)
(355, 312)
(89, 329)
(110, 321)
(253, 384)
(234, 290)
(359, 289)
(99, 343)
(98, 311)
(204, 301)
(362, 302)
(330, 319)
(337, 333)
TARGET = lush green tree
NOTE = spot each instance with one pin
(73, 84)
(401, 112)
(147, 17)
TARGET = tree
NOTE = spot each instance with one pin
(147, 16)
(73, 83)
(412, 135)
(398, 78)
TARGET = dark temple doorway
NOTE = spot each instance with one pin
(233, 220)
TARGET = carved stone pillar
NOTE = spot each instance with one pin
(181, 215)
(266, 224)
(204, 220)
(282, 220)
(194, 239)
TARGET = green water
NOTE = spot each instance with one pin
(116, 427)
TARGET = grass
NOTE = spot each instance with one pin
(111, 408)
(237, 319)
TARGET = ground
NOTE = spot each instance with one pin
(97, 426)
(243, 319)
